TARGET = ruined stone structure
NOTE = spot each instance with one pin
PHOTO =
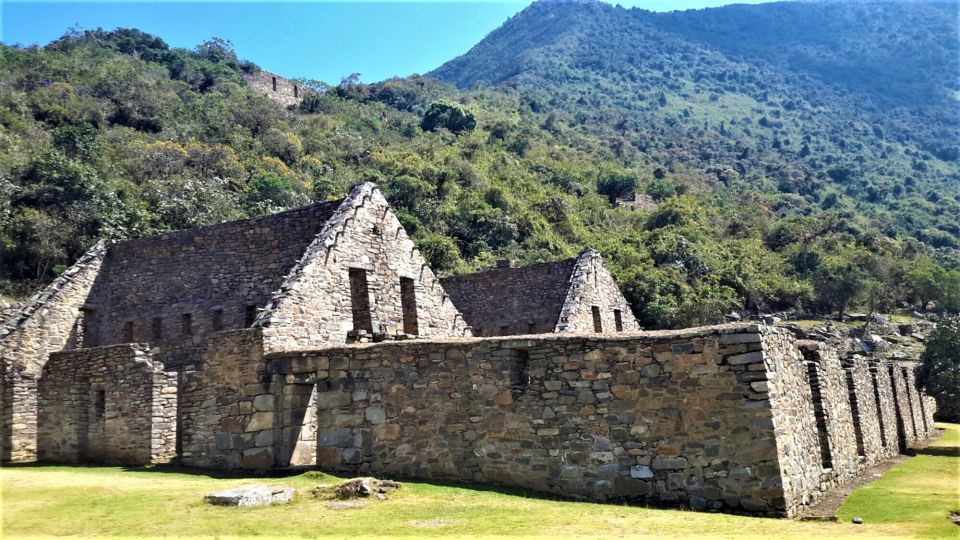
(320, 338)
(574, 295)
(275, 87)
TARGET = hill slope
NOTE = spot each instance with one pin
(824, 100)
(116, 135)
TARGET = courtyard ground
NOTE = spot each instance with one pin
(912, 499)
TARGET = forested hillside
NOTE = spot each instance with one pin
(116, 135)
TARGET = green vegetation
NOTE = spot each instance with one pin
(939, 372)
(770, 197)
(918, 494)
(912, 499)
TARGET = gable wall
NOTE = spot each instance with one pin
(46, 324)
(592, 285)
(314, 308)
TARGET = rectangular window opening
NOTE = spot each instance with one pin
(360, 300)
(186, 323)
(99, 403)
(408, 304)
(88, 328)
(217, 322)
(296, 91)
(274, 83)
(618, 319)
(157, 328)
(128, 332)
(249, 315)
(597, 323)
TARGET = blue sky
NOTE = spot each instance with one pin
(318, 40)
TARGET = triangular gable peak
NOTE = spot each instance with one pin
(594, 302)
(361, 278)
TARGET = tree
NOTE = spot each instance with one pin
(925, 280)
(939, 371)
(838, 282)
(449, 116)
(616, 185)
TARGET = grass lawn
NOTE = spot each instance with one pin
(912, 499)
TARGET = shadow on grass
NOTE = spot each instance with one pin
(941, 451)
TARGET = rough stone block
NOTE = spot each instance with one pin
(248, 496)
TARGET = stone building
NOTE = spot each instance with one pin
(275, 87)
(324, 274)
(573, 295)
(288, 341)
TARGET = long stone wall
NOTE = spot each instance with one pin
(707, 418)
(108, 404)
(47, 323)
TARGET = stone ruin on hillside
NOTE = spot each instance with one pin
(320, 337)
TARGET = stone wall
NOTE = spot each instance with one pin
(314, 308)
(690, 417)
(904, 411)
(107, 404)
(840, 451)
(175, 289)
(887, 406)
(593, 291)
(872, 441)
(916, 407)
(273, 86)
(46, 324)
(227, 405)
(507, 301)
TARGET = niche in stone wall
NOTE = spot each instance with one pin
(618, 319)
(597, 323)
(519, 365)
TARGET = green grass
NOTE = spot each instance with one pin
(918, 492)
(913, 499)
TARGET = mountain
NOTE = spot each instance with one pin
(761, 187)
(820, 99)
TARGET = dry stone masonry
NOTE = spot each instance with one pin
(320, 338)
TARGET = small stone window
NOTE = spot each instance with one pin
(249, 315)
(618, 319)
(128, 332)
(296, 91)
(531, 328)
(217, 322)
(597, 323)
(99, 403)
(186, 323)
(408, 304)
(157, 328)
(360, 300)
(274, 83)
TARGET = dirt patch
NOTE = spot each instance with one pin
(433, 523)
